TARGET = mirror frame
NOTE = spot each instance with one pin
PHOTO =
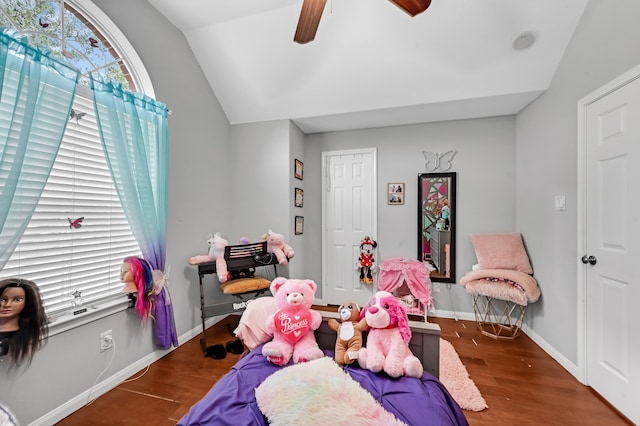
(430, 204)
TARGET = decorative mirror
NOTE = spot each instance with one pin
(437, 225)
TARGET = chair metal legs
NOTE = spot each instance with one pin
(496, 318)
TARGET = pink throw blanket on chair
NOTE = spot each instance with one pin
(526, 283)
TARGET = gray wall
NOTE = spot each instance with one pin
(605, 45)
(234, 180)
(297, 268)
(261, 165)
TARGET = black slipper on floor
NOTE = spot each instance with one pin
(216, 352)
(235, 347)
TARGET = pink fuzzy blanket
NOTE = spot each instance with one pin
(505, 284)
(319, 392)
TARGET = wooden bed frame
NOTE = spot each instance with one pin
(425, 341)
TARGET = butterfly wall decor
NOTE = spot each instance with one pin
(42, 23)
(93, 42)
(436, 160)
(75, 223)
(77, 115)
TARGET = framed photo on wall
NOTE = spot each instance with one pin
(299, 200)
(298, 169)
(395, 193)
(299, 225)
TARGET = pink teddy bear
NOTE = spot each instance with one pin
(216, 245)
(388, 339)
(277, 246)
(293, 324)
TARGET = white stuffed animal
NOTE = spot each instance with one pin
(216, 245)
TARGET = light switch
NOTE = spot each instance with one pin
(561, 204)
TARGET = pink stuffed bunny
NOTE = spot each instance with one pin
(216, 245)
(387, 346)
(277, 246)
(293, 324)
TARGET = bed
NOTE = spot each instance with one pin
(255, 385)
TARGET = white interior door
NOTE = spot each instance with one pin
(349, 214)
(612, 229)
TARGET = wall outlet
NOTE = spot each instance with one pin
(436, 287)
(106, 340)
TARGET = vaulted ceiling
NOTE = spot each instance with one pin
(371, 64)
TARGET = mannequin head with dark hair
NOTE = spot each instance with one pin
(23, 323)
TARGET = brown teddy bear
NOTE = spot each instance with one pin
(349, 329)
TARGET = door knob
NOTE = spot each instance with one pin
(589, 259)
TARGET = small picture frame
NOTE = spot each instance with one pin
(299, 197)
(395, 193)
(298, 169)
(299, 229)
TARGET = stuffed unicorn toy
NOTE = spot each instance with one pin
(277, 246)
(216, 245)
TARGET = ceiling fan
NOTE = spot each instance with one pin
(312, 12)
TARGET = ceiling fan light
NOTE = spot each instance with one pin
(412, 7)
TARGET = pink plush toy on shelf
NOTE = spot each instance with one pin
(387, 347)
(277, 246)
(216, 245)
(293, 324)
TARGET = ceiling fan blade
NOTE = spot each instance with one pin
(412, 7)
(309, 19)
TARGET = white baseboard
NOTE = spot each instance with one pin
(114, 380)
(465, 316)
(571, 367)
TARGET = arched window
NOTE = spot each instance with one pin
(78, 236)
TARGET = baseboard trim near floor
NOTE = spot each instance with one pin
(571, 367)
(115, 379)
(465, 316)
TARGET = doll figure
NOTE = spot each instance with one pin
(23, 323)
(137, 276)
(445, 213)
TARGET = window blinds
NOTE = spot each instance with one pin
(78, 236)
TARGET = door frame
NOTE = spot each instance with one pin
(325, 184)
(583, 104)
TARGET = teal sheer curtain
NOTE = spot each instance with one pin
(36, 94)
(134, 133)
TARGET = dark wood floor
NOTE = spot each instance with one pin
(520, 382)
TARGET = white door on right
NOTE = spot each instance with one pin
(612, 260)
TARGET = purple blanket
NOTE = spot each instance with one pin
(232, 400)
